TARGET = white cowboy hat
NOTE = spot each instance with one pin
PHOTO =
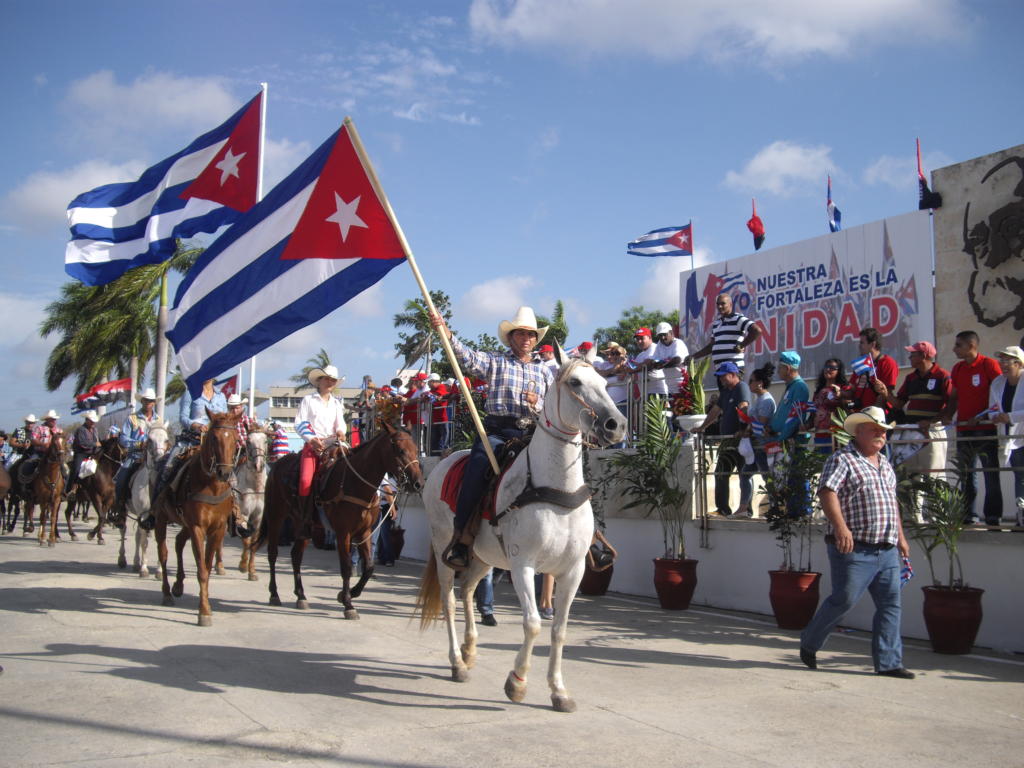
(870, 415)
(31, 418)
(90, 416)
(318, 373)
(148, 394)
(237, 399)
(525, 319)
(51, 414)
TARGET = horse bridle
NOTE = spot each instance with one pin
(585, 407)
(214, 464)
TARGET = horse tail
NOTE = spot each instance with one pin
(428, 601)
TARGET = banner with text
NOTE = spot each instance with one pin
(814, 296)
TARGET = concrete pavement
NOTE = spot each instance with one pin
(97, 672)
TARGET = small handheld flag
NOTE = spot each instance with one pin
(755, 426)
(835, 217)
(756, 226)
(667, 241)
(906, 572)
(988, 413)
(863, 365)
(926, 199)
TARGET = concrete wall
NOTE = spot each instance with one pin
(979, 250)
(734, 565)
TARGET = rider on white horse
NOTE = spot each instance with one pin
(132, 437)
(516, 388)
(321, 416)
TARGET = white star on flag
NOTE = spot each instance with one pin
(228, 166)
(346, 217)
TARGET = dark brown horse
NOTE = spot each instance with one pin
(349, 501)
(201, 504)
(47, 488)
(98, 488)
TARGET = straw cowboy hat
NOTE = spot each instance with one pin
(524, 320)
(318, 373)
(148, 394)
(237, 399)
(51, 414)
(870, 415)
(31, 418)
(91, 416)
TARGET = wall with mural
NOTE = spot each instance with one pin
(979, 250)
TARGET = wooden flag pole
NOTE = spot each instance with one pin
(445, 341)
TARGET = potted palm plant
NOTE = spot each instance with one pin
(690, 405)
(933, 513)
(791, 491)
(648, 477)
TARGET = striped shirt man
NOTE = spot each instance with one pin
(508, 379)
(867, 495)
(925, 395)
(728, 332)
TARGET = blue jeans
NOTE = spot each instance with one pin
(878, 572)
(988, 455)
(477, 475)
(384, 556)
(484, 593)
(759, 464)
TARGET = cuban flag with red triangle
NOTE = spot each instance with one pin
(319, 238)
(202, 188)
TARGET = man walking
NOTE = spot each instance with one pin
(865, 541)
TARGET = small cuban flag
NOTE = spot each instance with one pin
(755, 426)
(835, 217)
(667, 241)
(906, 572)
(863, 365)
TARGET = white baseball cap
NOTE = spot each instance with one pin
(662, 328)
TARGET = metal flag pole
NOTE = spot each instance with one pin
(445, 342)
(259, 196)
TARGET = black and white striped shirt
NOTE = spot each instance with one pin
(727, 332)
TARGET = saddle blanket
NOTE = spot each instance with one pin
(453, 483)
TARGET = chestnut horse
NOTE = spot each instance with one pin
(47, 488)
(99, 486)
(350, 504)
(201, 504)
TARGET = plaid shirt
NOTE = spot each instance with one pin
(867, 495)
(244, 425)
(508, 379)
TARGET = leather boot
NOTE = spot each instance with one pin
(456, 555)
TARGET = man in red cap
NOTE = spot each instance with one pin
(922, 398)
(646, 359)
(546, 354)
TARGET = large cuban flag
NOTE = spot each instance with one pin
(667, 241)
(317, 239)
(202, 188)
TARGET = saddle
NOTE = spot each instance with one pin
(485, 510)
(27, 469)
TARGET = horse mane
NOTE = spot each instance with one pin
(570, 366)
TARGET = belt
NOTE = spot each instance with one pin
(875, 547)
(501, 422)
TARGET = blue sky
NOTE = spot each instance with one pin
(522, 144)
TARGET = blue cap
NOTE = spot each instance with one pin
(727, 367)
(791, 358)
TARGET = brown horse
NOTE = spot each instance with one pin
(349, 501)
(47, 489)
(201, 505)
(99, 487)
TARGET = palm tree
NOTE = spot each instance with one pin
(320, 360)
(107, 330)
(558, 331)
(414, 345)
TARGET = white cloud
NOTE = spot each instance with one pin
(369, 303)
(40, 79)
(40, 201)
(280, 158)
(120, 116)
(720, 30)
(901, 172)
(500, 296)
(783, 168)
(660, 289)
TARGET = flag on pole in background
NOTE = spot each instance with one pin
(667, 241)
(227, 386)
(756, 226)
(835, 217)
(202, 188)
(102, 394)
(319, 238)
(926, 199)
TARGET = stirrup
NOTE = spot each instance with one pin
(456, 555)
(147, 523)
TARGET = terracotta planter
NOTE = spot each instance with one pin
(595, 583)
(674, 581)
(397, 541)
(952, 617)
(794, 597)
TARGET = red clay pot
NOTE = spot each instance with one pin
(595, 583)
(794, 597)
(674, 581)
(952, 617)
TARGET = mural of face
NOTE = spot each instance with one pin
(994, 240)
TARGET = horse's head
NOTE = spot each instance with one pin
(57, 447)
(157, 442)
(579, 403)
(112, 447)
(220, 445)
(256, 450)
(405, 465)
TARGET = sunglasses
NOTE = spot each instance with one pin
(831, 367)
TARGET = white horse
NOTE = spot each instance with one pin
(538, 536)
(140, 491)
(251, 483)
